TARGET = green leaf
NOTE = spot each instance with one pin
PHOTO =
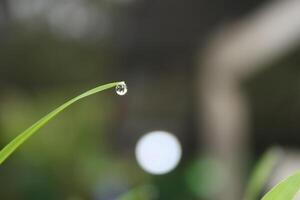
(285, 190)
(261, 174)
(22, 137)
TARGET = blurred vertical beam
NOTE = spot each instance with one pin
(233, 54)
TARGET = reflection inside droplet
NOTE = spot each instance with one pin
(158, 152)
(121, 88)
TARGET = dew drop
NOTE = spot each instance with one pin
(121, 88)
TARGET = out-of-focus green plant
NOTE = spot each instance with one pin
(285, 190)
(204, 177)
(146, 192)
(22, 137)
(261, 173)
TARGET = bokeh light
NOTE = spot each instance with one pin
(158, 152)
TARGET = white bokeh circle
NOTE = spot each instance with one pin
(158, 152)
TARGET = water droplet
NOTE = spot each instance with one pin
(121, 88)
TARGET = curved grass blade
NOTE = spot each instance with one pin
(261, 173)
(285, 190)
(22, 137)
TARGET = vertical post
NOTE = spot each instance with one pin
(235, 53)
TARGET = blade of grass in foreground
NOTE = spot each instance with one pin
(285, 190)
(261, 173)
(22, 137)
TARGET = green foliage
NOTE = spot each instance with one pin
(140, 193)
(285, 190)
(204, 177)
(261, 173)
(21, 138)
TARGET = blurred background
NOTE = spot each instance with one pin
(221, 75)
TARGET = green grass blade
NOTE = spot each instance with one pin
(285, 190)
(22, 137)
(261, 173)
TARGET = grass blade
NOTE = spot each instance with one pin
(285, 190)
(261, 173)
(22, 137)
